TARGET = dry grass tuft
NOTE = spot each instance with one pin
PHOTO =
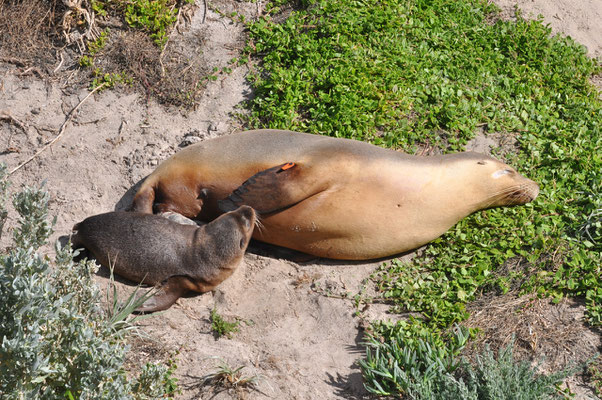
(43, 31)
(27, 30)
(539, 328)
(171, 77)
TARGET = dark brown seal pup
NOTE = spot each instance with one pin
(335, 198)
(155, 250)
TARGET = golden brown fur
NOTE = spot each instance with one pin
(342, 198)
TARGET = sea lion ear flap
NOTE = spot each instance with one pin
(268, 191)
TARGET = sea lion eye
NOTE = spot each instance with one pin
(242, 243)
(481, 162)
(500, 172)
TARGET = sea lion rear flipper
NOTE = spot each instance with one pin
(272, 189)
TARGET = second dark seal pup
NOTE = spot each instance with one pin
(154, 250)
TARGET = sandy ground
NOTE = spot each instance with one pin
(301, 333)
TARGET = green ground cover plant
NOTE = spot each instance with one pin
(221, 327)
(155, 17)
(408, 73)
(430, 73)
(56, 341)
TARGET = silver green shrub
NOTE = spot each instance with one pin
(426, 368)
(55, 340)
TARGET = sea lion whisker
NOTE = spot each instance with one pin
(507, 190)
(500, 194)
(258, 224)
(517, 194)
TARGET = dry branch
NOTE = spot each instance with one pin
(5, 115)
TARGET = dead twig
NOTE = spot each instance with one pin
(61, 130)
(75, 10)
(5, 115)
(60, 63)
(14, 60)
(32, 70)
(94, 121)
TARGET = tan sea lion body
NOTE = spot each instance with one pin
(330, 197)
(154, 250)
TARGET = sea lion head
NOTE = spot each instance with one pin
(501, 184)
(226, 238)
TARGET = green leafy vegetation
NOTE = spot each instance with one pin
(153, 16)
(409, 73)
(95, 46)
(414, 74)
(221, 327)
(86, 61)
(109, 80)
(410, 364)
(56, 340)
(424, 366)
(595, 371)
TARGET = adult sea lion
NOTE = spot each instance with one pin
(155, 250)
(331, 197)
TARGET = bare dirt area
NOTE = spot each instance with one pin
(299, 329)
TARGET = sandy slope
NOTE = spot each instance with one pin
(302, 341)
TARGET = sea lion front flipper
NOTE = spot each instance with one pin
(272, 189)
(174, 288)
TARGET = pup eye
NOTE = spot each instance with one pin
(481, 162)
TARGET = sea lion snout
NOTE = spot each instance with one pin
(524, 192)
(224, 240)
(247, 215)
(248, 219)
(531, 191)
